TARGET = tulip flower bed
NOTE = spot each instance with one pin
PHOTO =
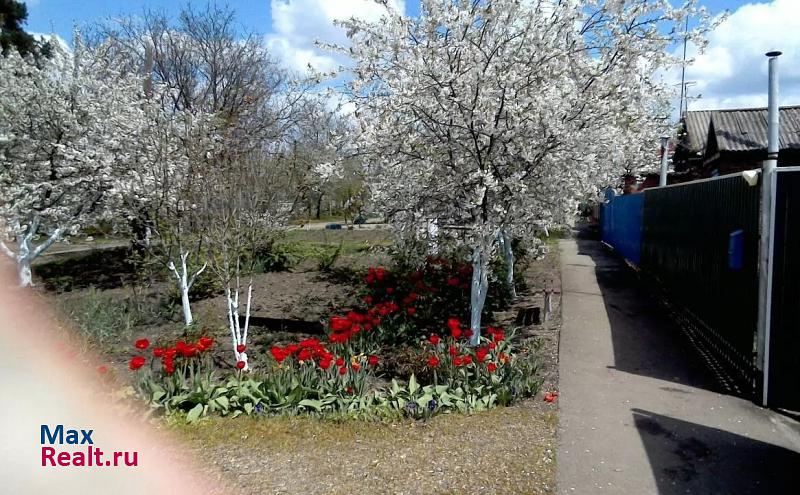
(314, 377)
(420, 311)
(421, 300)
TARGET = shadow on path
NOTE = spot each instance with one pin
(691, 458)
(645, 339)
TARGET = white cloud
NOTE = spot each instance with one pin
(297, 24)
(49, 37)
(733, 70)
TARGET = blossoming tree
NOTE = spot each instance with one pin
(64, 123)
(489, 115)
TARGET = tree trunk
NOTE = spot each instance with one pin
(319, 205)
(480, 285)
(187, 307)
(25, 275)
(185, 284)
(505, 241)
(433, 236)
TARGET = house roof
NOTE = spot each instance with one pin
(741, 129)
(697, 129)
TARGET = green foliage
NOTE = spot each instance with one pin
(273, 257)
(101, 317)
(328, 258)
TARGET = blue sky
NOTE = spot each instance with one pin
(60, 16)
(732, 72)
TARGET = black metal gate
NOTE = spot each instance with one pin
(783, 367)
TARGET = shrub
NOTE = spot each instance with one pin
(272, 257)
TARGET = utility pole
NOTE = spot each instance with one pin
(767, 226)
(684, 96)
(662, 180)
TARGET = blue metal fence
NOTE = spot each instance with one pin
(622, 225)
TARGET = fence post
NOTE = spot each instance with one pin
(767, 226)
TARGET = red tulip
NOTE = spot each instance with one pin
(205, 343)
(434, 339)
(240, 365)
(433, 362)
(491, 367)
(373, 360)
(136, 363)
(142, 344)
(240, 348)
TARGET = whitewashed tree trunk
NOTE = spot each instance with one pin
(27, 252)
(239, 333)
(25, 274)
(185, 283)
(508, 253)
(480, 285)
(433, 236)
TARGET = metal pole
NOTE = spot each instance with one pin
(767, 226)
(662, 180)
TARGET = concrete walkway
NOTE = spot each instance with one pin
(639, 413)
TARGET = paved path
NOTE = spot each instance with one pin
(638, 413)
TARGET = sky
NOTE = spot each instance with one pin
(732, 73)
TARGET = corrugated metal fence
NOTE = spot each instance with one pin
(699, 241)
(784, 349)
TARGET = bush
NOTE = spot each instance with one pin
(272, 257)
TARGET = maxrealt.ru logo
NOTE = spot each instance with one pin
(87, 454)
